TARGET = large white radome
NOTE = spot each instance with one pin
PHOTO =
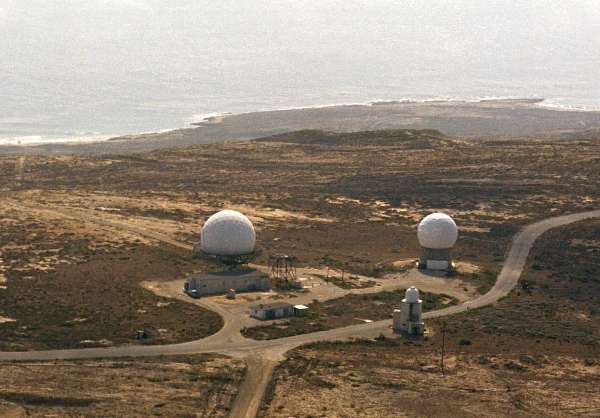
(228, 233)
(437, 231)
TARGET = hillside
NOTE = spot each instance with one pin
(507, 119)
(405, 138)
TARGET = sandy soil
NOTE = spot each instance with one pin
(4, 319)
(333, 203)
(73, 259)
(375, 381)
(319, 290)
(534, 353)
(202, 386)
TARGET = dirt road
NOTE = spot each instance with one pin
(251, 392)
(262, 356)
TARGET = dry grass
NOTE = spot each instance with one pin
(202, 385)
(535, 353)
(387, 378)
(344, 311)
(350, 201)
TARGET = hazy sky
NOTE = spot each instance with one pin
(162, 53)
(64, 33)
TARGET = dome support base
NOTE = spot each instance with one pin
(232, 262)
(436, 259)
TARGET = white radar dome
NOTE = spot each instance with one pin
(412, 295)
(437, 231)
(228, 233)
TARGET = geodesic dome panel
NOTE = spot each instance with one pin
(437, 231)
(228, 233)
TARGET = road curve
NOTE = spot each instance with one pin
(235, 345)
(263, 356)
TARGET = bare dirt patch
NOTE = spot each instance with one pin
(202, 385)
(374, 186)
(344, 311)
(99, 302)
(403, 378)
(5, 319)
(557, 297)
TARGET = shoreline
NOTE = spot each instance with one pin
(212, 118)
(217, 117)
(483, 118)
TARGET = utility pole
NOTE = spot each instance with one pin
(443, 347)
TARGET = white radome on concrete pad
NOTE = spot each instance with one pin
(228, 233)
(437, 231)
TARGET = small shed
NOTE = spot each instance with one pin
(300, 310)
(275, 310)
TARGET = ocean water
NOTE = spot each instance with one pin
(88, 70)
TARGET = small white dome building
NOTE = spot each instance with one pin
(437, 234)
(412, 295)
(437, 231)
(228, 233)
(409, 318)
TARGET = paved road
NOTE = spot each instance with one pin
(228, 340)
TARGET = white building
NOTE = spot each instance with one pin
(409, 318)
(273, 310)
(240, 280)
(277, 310)
(300, 310)
(437, 234)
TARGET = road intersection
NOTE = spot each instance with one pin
(263, 356)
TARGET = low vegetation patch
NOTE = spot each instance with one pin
(348, 310)
(556, 299)
(99, 302)
(405, 138)
(173, 386)
(348, 282)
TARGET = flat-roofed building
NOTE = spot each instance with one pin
(272, 310)
(300, 310)
(240, 280)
